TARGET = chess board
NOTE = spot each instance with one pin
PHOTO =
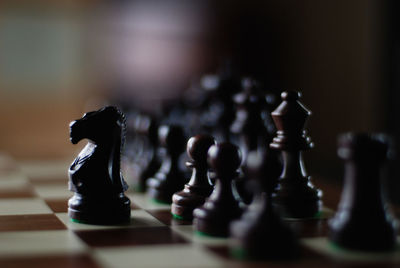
(35, 231)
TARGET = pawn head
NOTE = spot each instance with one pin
(224, 157)
(197, 147)
(172, 138)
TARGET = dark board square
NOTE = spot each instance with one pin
(62, 261)
(310, 228)
(35, 222)
(305, 255)
(25, 192)
(58, 205)
(166, 217)
(130, 237)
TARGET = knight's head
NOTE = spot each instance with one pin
(98, 125)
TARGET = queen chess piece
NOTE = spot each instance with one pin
(295, 195)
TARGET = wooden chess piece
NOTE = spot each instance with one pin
(294, 194)
(147, 128)
(261, 233)
(169, 179)
(219, 111)
(249, 127)
(248, 124)
(362, 221)
(95, 175)
(199, 187)
(214, 217)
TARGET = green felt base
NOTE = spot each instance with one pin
(318, 215)
(200, 233)
(238, 253)
(77, 221)
(178, 217)
(334, 246)
(139, 189)
(105, 223)
(160, 202)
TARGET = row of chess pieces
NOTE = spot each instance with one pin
(215, 196)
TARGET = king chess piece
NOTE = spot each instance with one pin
(222, 207)
(199, 187)
(169, 179)
(260, 233)
(294, 194)
(95, 175)
(362, 221)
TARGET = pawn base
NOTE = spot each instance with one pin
(213, 223)
(103, 211)
(363, 234)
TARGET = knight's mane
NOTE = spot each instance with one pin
(121, 118)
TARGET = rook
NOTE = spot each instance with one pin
(362, 222)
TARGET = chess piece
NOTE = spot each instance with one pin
(135, 155)
(294, 194)
(147, 128)
(249, 127)
(199, 187)
(219, 109)
(214, 217)
(169, 179)
(362, 221)
(95, 176)
(248, 124)
(261, 233)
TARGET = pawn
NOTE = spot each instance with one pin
(294, 195)
(261, 233)
(169, 179)
(362, 221)
(214, 217)
(199, 187)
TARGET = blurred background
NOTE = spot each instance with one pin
(59, 59)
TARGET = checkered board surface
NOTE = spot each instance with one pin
(35, 231)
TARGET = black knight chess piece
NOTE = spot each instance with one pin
(362, 221)
(222, 207)
(95, 175)
(294, 194)
(199, 187)
(169, 179)
(261, 233)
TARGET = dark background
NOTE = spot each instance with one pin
(60, 59)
